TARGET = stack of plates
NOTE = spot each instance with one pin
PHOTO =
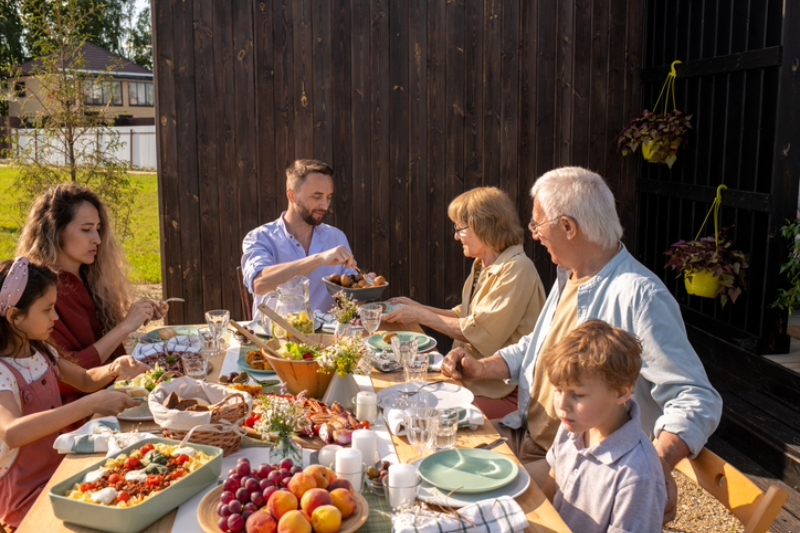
(471, 475)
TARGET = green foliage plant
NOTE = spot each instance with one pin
(67, 138)
(789, 299)
(659, 135)
(717, 257)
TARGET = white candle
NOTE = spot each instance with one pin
(402, 485)
(349, 465)
(367, 406)
(366, 441)
(327, 455)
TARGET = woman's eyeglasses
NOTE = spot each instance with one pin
(458, 232)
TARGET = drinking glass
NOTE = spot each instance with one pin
(404, 350)
(414, 369)
(218, 320)
(446, 430)
(370, 317)
(421, 424)
(210, 343)
(401, 496)
(195, 365)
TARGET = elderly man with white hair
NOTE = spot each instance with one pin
(575, 218)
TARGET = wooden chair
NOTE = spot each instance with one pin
(247, 298)
(756, 510)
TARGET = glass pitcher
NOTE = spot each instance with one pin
(292, 304)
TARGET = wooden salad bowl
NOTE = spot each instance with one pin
(299, 376)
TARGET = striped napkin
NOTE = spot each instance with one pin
(501, 515)
(98, 435)
(181, 343)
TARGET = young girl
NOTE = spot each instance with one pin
(31, 413)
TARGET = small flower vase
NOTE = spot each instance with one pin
(341, 329)
(343, 389)
(286, 448)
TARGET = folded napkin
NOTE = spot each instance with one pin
(394, 419)
(326, 321)
(436, 360)
(181, 343)
(501, 515)
(98, 435)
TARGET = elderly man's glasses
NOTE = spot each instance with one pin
(534, 226)
(459, 232)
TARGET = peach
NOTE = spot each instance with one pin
(301, 483)
(326, 519)
(321, 474)
(340, 484)
(313, 498)
(294, 522)
(344, 501)
(261, 522)
(280, 503)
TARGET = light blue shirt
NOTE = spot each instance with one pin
(673, 391)
(272, 244)
(616, 486)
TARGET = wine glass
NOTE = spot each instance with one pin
(370, 317)
(421, 424)
(218, 320)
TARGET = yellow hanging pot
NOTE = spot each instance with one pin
(701, 283)
(649, 149)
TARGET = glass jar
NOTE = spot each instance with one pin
(291, 303)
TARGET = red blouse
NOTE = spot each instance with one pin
(77, 329)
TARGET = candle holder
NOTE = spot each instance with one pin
(401, 497)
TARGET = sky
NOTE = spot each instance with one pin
(141, 4)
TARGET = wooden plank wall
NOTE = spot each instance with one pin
(411, 101)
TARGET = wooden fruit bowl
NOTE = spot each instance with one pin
(299, 376)
(208, 518)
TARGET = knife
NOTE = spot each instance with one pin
(492, 444)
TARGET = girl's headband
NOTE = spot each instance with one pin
(14, 285)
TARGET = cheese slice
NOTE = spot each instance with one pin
(136, 475)
(94, 475)
(105, 496)
(186, 450)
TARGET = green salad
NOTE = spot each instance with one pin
(149, 380)
(299, 352)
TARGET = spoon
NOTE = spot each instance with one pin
(173, 300)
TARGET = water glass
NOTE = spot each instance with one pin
(415, 369)
(421, 424)
(404, 350)
(446, 429)
(218, 321)
(195, 365)
(210, 343)
(370, 315)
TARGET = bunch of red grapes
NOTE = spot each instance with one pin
(246, 490)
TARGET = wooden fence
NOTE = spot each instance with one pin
(411, 101)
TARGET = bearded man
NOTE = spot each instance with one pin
(298, 243)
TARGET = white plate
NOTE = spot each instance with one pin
(446, 394)
(430, 494)
(136, 414)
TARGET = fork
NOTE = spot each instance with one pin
(408, 394)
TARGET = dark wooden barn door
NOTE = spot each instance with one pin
(739, 81)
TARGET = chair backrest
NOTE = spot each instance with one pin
(756, 510)
(247, 299)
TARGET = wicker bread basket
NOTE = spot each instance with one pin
(232, 409)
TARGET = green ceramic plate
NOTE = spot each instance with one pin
(242, 362)
(180, 330)
(424, 342)
(467, 470)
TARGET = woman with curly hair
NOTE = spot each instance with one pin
(68, 231)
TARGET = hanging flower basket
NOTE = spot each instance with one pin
(701, 283)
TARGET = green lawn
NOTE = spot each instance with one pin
(142, 247)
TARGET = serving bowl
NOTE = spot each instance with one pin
(299, 376)
(138, 517)
(366, 294)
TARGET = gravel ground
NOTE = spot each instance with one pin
(698, 511)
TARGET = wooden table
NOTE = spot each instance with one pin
(542, 516)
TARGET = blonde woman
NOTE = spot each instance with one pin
(501, 298)
(68, 231)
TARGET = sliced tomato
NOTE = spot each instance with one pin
(132, 463)
(85, 487)
(123, 496)
(365, 424)
(113, 479)
(177, 473)
(182, 459)
(146, 448)
(153, 481)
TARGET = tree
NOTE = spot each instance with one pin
(140, 42)
(69, 140)
(11, 52)
(102, 24)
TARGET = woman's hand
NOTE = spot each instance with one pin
(139, 314)
(110, 402)
(127, 367)
(160, 310)
(402, 300)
